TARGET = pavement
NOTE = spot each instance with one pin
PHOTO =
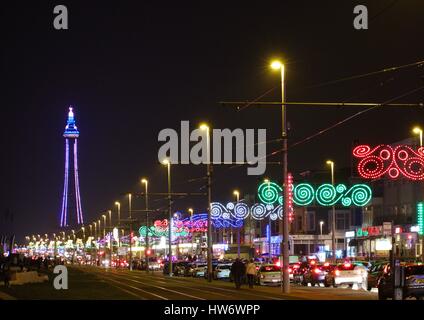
(94, 283)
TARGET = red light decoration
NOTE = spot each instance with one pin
(290, 196)
(397, 161)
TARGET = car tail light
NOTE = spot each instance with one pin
(337, 272)
(313, 262)
(257, 268)
(326, 264)
(296, 266)
(347, 265)
(290, 270)
(277, 263)
(317, 271)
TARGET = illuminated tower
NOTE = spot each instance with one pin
(71, 135)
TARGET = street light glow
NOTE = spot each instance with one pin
(236, 193)
(165, 162)
(417, 130)
(329, 162)
(144, 180)
(276, 65)
(204, 126)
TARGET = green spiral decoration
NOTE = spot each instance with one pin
(360, 194)
(270, 193)
(303, 194)
(327, 195)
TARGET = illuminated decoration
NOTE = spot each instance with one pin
(187, 226)
(326, 194)
(290, 197)
(383, 159)
(71, 134)
(420, 218)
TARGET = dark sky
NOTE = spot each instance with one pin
(132, 68)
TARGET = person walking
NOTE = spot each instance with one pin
(238, 270)
(6, 274)
(251, 273)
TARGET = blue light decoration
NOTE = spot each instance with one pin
(71, 134)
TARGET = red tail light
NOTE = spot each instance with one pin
(347, 265)
(313, 262)
(290, 270)
(316, 270)
(337, 272)
(277, 263)
(296, 266)
(257, 268)
(326, 264)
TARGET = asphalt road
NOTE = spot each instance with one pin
(93, 283)
(146, 286)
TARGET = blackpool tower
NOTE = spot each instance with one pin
(71, 135)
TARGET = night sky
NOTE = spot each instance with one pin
(132, 68)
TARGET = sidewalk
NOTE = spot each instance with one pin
(4, 296)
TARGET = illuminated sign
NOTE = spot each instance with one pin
(382, 160)
(383, 245)
(349, 234)
(369, 231)
(420, 218)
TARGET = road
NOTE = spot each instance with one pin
(99, 283)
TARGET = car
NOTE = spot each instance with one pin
(166, 267)
(413, 283)
(269, 274)
(180, 268)
(222, 271)
(345, 273)
(375, 273)
(316, 274)
(199, 270)
(214, 265)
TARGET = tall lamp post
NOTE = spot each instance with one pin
(130, 217)
(237, 194)
(277, 65)
(110, 236)
(320, 226)
(118, 205)
(167, 163)
(333, 223)
(205, 127)
(146, 252)
(190, 210)
(419, 131)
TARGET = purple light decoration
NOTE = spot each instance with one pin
(71, 132)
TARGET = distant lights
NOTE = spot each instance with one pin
(420, 218)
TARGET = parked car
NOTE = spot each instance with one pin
(375, 273)
(222, 271)
(346, 273)
(316, 275)
(199, 270)
(413, 283)
(180, 268)
(269, 274)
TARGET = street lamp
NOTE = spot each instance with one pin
(205, 127)
(333, 224)
(320, 226)
(118, 205)
(419, 131)
(145, 182)
(167, 163)
(237, 194)
(104, 225)
(284, 224)
(130, 215)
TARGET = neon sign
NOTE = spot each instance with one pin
(383, 159)
(420, 218)
(304, 194)
(369, 231)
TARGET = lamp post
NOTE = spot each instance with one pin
(284, 224)
(130, 217)
(110, 237)
(237, 194)
(145, 182)
(190, 210)
(118, 205)
(320, 226)
(419, 131)
(333, 223)
(205, 127)
(167, 163)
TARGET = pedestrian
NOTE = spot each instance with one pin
(6, 275)
(238, 270)
(251, 273)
